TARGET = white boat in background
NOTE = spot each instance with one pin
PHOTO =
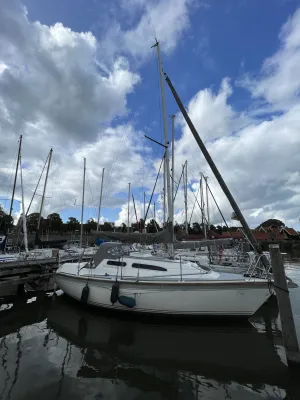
(4, 258)
(152, 285)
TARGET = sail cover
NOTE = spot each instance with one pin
(143, 238)
(163, 236)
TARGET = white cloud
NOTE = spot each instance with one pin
(259, 162)
(279, 80)
(52, 79)
(58, 88)
(167, 20)
(54, 92)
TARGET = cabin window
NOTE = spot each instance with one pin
(117, 263)
(148, 266)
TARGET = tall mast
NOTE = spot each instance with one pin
(202, 203)
(100, 201)
(207, 204)
(82, 206)
(136, 217)
(167, 165)
(144, 208)
(23, 210)
(173, 162)
(15, 179)
(128, 210)
(185, 198)
(154, 211)
(44, 191)
(218, 176)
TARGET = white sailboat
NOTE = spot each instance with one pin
(159, 286)
(119, 281)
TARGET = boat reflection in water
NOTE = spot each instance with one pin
(58, 348)
(147, 355)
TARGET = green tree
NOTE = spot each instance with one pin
(219, 229)
(107, 227)
(55, 222)
(32, 221)
(273, 223)
(176, 227)
(153, 226)
(196, 228)
(90, 225)
(73, 224)
(135, 227)
(6, 222)
(142, 224)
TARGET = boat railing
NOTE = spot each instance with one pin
(257, 269)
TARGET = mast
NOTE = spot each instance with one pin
(171, 247)
(37, 185)
(15, 179)
(185, 198)
(136, 217)
(82, 206)
(144, 208)
(23, 210)
(207, 204)
(44, 191)
(154, 210)
(217, 174)
(100, 201)
(202, 203)
(164, 196)
(173, 162)
(128, 211)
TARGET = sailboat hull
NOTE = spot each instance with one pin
(173, 298)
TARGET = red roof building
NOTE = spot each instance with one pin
(290, 233)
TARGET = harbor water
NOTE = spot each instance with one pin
(55, 348)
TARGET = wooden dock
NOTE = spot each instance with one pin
(36, 273)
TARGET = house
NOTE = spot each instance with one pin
(290, 233)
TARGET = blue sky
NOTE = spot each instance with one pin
(218, 40)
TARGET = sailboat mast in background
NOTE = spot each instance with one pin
(44, 191)
(15, 179)
(82, 206)
(100, 201)
(173, 163)
(128, 210)
(23, 209)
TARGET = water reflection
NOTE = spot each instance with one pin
(55, 348)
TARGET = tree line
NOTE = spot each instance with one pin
(53, 223)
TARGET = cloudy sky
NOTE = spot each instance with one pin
(80, 76)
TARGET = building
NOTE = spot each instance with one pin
(290, 233)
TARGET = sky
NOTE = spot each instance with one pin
(80, 76)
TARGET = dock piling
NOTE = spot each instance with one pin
(285, 307)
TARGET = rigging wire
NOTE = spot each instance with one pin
(34, 193)
(218, 209)
(9, 186)
(162, 160)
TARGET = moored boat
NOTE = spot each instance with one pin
(160, 286)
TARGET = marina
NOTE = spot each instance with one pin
(149, 200)
(81, 352)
